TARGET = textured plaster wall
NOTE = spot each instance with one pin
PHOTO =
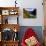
(38, 21)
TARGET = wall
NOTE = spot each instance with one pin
(28, 22)
(37, 30)
(33, 22)
(27, 4)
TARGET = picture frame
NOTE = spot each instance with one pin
(29, 12)
(5, 12)
(13, 12)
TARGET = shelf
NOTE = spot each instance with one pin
(4, 8)
(6, 12)
(9, 10)
(7, 23)
(10, 26)
(9, 20)
(10, 44)
(11, 41)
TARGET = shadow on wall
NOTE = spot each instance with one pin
(37, 29)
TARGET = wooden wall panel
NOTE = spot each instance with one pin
(44, 12)
(44, 22)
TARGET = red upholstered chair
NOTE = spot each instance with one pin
(29, 35)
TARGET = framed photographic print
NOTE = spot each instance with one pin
(5, 12)
(29, 12)
(13, 12)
